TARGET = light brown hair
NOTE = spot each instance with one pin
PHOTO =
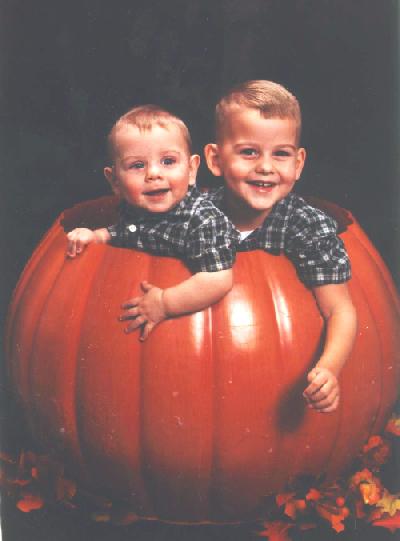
(144, 117)
(271, 99)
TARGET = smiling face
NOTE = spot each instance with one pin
(152, 168)
(260, 161)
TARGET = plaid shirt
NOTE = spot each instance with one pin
(306, 235)
(195, 230)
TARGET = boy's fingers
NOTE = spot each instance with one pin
(146, 330)
(132, 313)
(131, 303)
(135, 324)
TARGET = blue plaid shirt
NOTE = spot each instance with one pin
(306, 235)
(195, 230)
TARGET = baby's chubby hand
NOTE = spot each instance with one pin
(323, 391)
(146, 311)
(78, 239)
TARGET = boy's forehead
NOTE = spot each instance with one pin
(126, 133)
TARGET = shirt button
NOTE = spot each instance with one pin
(132, 228)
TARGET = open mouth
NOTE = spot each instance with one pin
(261, 184)
(155, 193)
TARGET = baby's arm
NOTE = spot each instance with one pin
(81, 236)
(197, 292)
(335, 304)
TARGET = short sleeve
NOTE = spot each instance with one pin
(211, 246)
(315, 249)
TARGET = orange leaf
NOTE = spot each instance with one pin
(276, 530)
(282, 499)
(371, 493)
(335, 517)
(313, 495)
(393, 425)
(376, 452)
(30, 502)
(391, 523)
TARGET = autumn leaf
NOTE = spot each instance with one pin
(375, 452)
(368, 485)
(282, 499)
(393, 425)
(335, 516)
(276, 530)
(313, 495)
(392, 523)
(30, 502)
(389, 503)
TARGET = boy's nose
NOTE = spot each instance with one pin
(264, 165)
(153, 171)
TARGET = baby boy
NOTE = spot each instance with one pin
(154, 171)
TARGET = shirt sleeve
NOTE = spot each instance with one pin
(211, 246)
(318, 254)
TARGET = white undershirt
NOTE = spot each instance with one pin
(244, 234)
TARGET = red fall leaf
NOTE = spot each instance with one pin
(391, 523)
(276, 530)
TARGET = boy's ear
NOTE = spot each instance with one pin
(194, 163)
(109, 174)
(212, 159)
(300, 160)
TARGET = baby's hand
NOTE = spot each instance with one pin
(146, 311)
(323, 391)
(78, 239)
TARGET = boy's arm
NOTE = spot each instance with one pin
(81, 236)
(335, 304)
(197, 292)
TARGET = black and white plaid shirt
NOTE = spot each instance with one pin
(306, 235)
(195, 231)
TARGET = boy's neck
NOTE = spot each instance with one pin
(243, 217)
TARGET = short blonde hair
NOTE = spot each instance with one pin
(271, 99)
(144, 117)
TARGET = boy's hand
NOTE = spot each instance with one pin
(322, 393)
(146, 311)
(78, 239)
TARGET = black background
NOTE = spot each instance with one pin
(70, 69)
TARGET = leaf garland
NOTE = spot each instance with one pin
(35, 481)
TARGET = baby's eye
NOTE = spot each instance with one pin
(136, 165)
(168, 161)
(248, 151)
(282, 153)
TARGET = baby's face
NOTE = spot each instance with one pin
(259, 159)
(153, 168)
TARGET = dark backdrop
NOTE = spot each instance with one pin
(69, 69)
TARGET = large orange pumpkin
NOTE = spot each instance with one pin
(206, 418)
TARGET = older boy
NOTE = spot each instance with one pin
(154, 173)
(257, 152)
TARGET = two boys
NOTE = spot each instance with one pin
(257, 152)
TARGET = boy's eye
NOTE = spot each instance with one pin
(168, 161)
(282, 153)
(136, 165)
(248, 151)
